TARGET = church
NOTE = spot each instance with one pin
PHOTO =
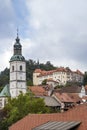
(17, 82)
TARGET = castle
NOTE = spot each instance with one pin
(60, 75)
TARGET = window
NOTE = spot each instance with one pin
(0, 104)
(12, 68)
(20, 77)
(21, 67)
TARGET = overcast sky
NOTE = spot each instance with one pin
(49, 30)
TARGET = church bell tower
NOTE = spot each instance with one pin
(17, 70)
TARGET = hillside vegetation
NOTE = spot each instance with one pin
(31, 65)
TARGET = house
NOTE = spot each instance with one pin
(61, 75)
(43, 92)
(52, 82)
(67, 100)
(77, 76)
(63, 98)
(75, 119)
(51, 102)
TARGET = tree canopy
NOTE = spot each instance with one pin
(4, 77)
(31, 65)
(19, 107)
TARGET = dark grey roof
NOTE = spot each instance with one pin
(54, 125)
(70, 89)
(17, 58)
(5, 92)
(50, 101)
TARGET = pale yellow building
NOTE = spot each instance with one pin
(61, 75)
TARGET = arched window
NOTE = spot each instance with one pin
(12, 68)
(21, 67)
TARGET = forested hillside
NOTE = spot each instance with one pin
(31, 65)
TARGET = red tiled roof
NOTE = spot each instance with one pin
(44, 73)
(38, 90)
(37, 71)
(78, 72)
(75, 97)
(78, 113)
(63, 97)
(60, 69)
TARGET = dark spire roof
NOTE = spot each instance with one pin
(17, 56)
(17, 43)
(17, 39)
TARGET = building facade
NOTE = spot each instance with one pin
(61, 75)
(17, 82)
(17, 71)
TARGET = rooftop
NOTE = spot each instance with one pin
(54, 125)
(69, 89)
(38, 90)
(31, 121)
(5, 92)
(50, 101)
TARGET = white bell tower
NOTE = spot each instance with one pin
(17, 70)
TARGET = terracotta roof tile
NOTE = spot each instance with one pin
(75, 97)
(63, 97)
(78, 113)
(37, 71)
(60, 69)
(38, 90)
(78, 72)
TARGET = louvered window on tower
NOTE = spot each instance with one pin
(12, 68)
(21, 67)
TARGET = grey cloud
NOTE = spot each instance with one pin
(61, 30)
(7, 18)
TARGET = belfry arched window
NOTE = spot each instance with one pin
(20, 67)
(12, 68)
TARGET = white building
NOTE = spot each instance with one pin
(61, 75)
(77, 76)
(17, 71)
(17, 75)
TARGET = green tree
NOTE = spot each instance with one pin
(44, 82)
(31, 65)
(19, 107)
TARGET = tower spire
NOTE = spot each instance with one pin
(17, 39)
(17, 32)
